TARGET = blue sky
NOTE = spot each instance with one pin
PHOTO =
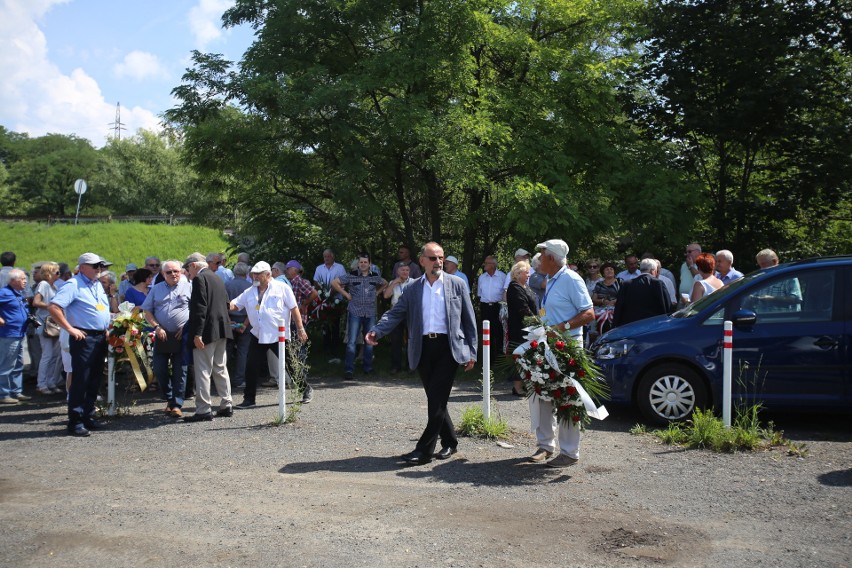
(65, 64)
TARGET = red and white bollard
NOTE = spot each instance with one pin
(727, 365)
(486, 369)
(282, 370)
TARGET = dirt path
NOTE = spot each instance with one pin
(327, 491)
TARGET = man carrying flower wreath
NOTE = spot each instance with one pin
(567, 307)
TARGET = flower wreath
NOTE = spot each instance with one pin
(129, 332)
(558, 369)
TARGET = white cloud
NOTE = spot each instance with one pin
(140, 65)
(37, 97)
(205, 20)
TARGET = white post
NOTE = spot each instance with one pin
(486, 369)
(727, 360)
(111, 382)
(282, 370)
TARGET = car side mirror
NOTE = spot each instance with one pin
(744, 318)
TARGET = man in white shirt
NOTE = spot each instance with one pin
(442, 325)
(489, 288)
(324, 275)
(267, 302)
(632, 271)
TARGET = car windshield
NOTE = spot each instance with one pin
(723, 292)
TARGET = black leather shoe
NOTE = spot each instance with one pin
(246, 404)
(416, 458)
(226, 412)
(78, 430)
(206, 417)
(445, 453)
(93, 424)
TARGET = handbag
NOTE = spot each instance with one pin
(51, 328)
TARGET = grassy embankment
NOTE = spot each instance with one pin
(119, 243)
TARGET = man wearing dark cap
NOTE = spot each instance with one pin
(81, 307)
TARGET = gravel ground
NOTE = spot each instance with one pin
(328, 491)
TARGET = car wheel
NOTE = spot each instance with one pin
(669, 393)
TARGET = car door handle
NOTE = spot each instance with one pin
(825, 343)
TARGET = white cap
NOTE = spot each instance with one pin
(522, 252)
(92, 258)
(261, 267)
(556, 246)
(452, 259)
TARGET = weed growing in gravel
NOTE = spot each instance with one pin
(474, 424)
(289, 417)
(706, 430)
(639, 429)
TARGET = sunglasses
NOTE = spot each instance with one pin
(172, 271)
(591, 266)
(434, 258)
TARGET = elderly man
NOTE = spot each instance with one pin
(166, 308)
(364, 285)
(267, 302)
(302, 289)
(725, 270)
(324, 275)
(239, 345)
(567, 306)
(451, 266)
(209, 331)
(404, 256)
(394, 291)
(214, 264)
(489, 289)
(81, 308)
(688, 270)
(13, 328)
(129, 271)
(642, 297)
(442, 328)
(279, 273)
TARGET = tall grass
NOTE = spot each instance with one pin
(117, 242)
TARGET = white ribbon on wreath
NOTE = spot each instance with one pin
(539, 335)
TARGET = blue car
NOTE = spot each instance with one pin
(792, 345)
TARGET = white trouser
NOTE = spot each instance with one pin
(49, 369)
(543, 423)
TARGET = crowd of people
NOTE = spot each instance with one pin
(206, 317)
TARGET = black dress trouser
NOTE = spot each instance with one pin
(437, 370)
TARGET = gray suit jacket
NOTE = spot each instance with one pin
(461, 321)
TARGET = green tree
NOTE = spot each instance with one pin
(42, 178)
(481, 124)
(754, 97)
(145, 174)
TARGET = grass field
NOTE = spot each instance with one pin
(119, 243)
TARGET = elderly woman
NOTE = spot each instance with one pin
(50, 378)
(521, 303)
(108, 281)
(603, 297)
(708, 283)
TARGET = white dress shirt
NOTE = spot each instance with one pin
(434, 306)
(490, 288)
(264, 315)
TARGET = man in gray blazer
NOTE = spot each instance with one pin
(442, 336)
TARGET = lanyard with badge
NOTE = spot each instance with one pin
(550, 285)
(98, 305)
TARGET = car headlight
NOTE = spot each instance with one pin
(614, 350)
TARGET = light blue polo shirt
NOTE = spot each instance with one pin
(85, 303)
(566, 295)
(169, 304)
